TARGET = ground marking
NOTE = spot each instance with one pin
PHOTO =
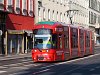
(2, 71)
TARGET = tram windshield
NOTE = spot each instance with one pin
(42, 41)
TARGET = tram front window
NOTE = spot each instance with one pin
(42, 42)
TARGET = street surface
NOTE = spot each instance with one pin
(89, 65)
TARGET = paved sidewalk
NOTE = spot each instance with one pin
(16, 56)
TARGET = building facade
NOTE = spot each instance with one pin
(94, 19)
(88, 14)
(56, 10)
(16, 24)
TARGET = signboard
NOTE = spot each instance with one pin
(15, 31)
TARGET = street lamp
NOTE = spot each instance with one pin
(70, 14)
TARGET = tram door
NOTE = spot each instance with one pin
(66, 46)
(81, 42)
(87, 42)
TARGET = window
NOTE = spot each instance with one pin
(53, 16)
(10, 2)
(31, 5)
(57, 1)
(39, 14)
(61, 1)
(57, 16)
(66, 42)
(61, 17)
(60, 41)
(81, 38)
(64, 18)
(1, 1)
(44, 14)
(24, 4)
(54, 41)
(17, 3)
(74, 39)
(87, 39)
(49, 14)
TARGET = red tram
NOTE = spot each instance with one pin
(54, 41)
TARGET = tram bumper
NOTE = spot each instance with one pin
(43, 57)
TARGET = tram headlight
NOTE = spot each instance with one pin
(47, 50)
(35, 50)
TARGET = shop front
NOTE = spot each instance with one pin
(18, 35)
(19, 41)
(15, 41)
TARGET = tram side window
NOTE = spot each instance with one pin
(60, 41)
(87, 41)
(74, 39)
(82, 39)
(66, 42)
(54, 40)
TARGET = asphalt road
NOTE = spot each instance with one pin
(89, 65)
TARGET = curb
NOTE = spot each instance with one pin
(11, 57)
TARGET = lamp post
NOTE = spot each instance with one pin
(70, 14)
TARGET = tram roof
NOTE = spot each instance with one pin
(57, 23)
(54, 23)
(46, 22)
